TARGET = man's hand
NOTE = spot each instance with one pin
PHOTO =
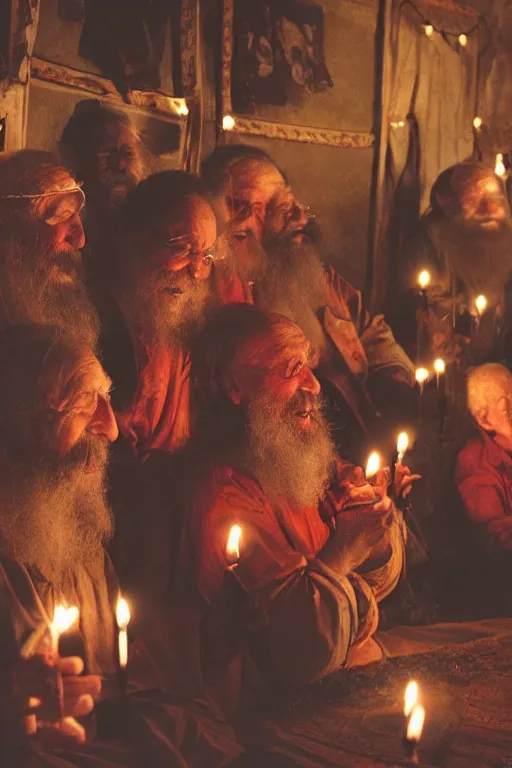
(359, 530)
(404, 480)
(78, 694)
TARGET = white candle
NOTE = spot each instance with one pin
(411, 697)
(123, 618)
(439, 368)
(233, 544)
(402, 445)
(421, 377)
(372, 465)
(63, 619)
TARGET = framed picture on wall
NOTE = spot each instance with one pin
(285, 73)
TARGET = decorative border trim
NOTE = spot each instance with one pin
(189, 52)
(255, 127)
(73, 78)
(300, 133)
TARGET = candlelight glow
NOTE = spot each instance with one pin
(416, 722)
(402, 445)
(122, 614)
(477, 123)
(439, 366)
(228, 123)
(64, 618)
(183, 109)
(480, 304)
(421, 375)
(463, 40)
(429, 30)
(424, 279)
(372, 465)
(411, 697)
(499, 168)
(233, 545)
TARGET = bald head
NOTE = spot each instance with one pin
(471, 194)
(489, 393)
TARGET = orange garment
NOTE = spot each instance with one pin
(311, 613)
(159, 415)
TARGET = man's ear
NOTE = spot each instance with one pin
(232, 388)
(482, 419)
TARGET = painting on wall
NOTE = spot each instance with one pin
(284, 71)
(278, 53)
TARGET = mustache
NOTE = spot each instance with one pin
(88, 454)
(305, 401)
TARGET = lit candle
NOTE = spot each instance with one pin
(477, 123)
(499, 168)
(402, 445)
(463, 40)
(123, 618)
(228, 123)
(439, 368)
(414, 732)
(233, 545)
(480, 304)
(428, 29)
(421, 377)
(63, 619)
(411, 697)
(424, 279)
(372, 465)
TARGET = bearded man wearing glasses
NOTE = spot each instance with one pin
(41, 238)
(158, 295)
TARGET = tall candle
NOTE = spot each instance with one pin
(123, 618)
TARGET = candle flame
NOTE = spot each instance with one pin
(424, 279)
(122, 613)
(463, 40)
(480, 304)
(429, 30)
(411, 697)
(416, 722)
(228, 123)
(421, 375)
(233, 545)
(64, 618)
(439, 366)
(477, 123)
(372, 465)
(499, 168)
(182, 109)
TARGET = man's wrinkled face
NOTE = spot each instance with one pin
(82, 414)
(277, 364)
(259, 203)
(61, 235)
(497, 416)
(483, 205)
(117, 165)
(171, 283)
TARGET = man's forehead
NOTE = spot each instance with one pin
(283, 340)
(255, 176)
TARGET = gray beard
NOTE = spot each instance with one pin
(27, 295)
(52, 521)
(294, 285)
(291, 463)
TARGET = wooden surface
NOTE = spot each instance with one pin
(354, 719)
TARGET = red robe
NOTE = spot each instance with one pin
(484, 480)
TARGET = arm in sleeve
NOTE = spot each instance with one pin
(311, 612)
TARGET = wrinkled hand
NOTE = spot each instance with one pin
(404, 480)
(362, 529)
(78, 694)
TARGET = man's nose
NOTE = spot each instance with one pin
(75, 234)
(104, 422)
(197, 268)
(299, 215)
(309, 382)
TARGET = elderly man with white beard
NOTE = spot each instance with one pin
(275, 264)
(41, 237)
(55, 426)
(320, 546)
